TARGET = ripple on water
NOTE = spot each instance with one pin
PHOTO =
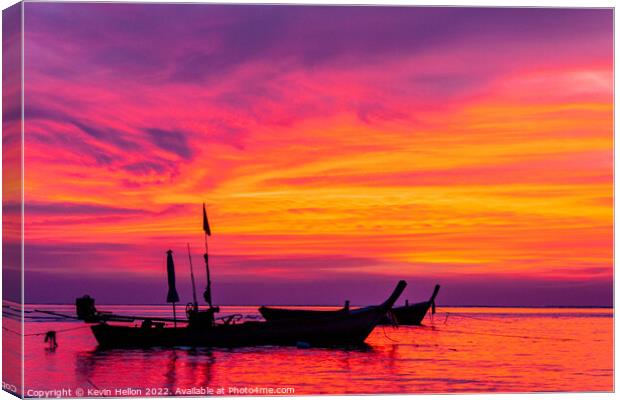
(504, 350)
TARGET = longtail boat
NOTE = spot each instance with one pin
(409, 314)
(202, 329)
(412, 314)
(276, 313)
(198, 331)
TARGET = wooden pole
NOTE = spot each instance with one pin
(205, 227)
(174, 313)
(208, 296)
(191, 270)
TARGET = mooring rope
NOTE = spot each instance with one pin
(394, 322)
(35, 318)
(386, 335)
(496, 334)
(44, 333)
(477, 318)
(506, 335)
(16, 309)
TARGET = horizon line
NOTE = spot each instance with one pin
(332, 305)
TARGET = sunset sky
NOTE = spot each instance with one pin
(339, 149)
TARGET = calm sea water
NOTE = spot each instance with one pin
(458, 350)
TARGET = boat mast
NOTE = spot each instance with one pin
(207, 230)
(191, 271)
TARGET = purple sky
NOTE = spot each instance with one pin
(340, 149)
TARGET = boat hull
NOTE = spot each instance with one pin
(405, 315)
(333, 329)
(349, 329)
(412, 314)
(409, 315)
(273, 313)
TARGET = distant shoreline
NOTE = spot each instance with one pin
(317, 305)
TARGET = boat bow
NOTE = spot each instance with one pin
(400, 287)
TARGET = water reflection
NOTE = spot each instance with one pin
(201, 361)
(517, 351)
(178, 367)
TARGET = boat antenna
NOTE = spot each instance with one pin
(191, 271)
(207, 230)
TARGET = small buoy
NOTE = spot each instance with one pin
(50, 337)
(303, 345)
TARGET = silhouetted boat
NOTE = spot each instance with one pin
(201, 329)
(276, 313)
(348, 328)
(410, 314)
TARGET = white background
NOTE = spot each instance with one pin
(541, 3)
